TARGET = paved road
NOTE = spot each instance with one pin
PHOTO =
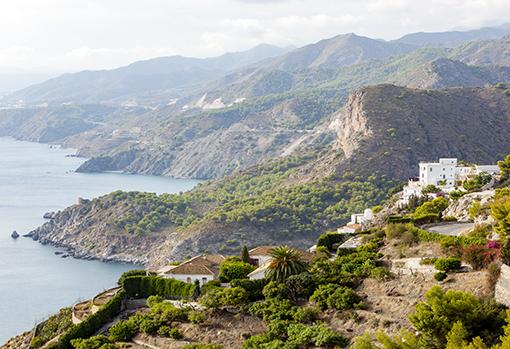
(452, 229)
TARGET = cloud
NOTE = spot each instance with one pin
(96, 34)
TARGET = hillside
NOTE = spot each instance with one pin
(390, 129)
(453, 38)
(381, 135)
(154, 81)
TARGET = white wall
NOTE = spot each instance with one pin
(190, 278)
(258, 275)
(260, 259)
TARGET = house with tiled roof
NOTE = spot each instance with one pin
(203, 268)
(260, 254)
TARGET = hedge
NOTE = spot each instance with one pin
(253, 287)
(145, 286)
(92, 323)
(329, 239)
(398, 219)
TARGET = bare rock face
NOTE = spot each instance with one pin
(460, 208)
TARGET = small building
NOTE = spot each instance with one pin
(357, 223)
(203, 268)
(260, 254)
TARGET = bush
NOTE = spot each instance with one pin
(252, 287)
(96, 342)
(122, 331)
(479, 257)
(447, 264)
(275, 290)
(329, 239)
(227, 297)
(307, 314)
(440, 275)
(152, 300)
(435, 316)
(196, 317)
(231, 270)
(430, 210)
(477, 182)
(168, 332)
(335, 297)
(145, 286)
(300, 286)
(274, 309)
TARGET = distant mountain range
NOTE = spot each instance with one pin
(157, 79)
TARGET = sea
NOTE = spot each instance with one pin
(35, 282)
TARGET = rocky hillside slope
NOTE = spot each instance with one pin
(381, 133)
(390, 129)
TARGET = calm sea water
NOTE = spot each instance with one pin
(34, 282)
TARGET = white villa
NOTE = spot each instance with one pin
(203, 268)
(358, 221)
(444, 174)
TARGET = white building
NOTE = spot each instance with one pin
(260, 254)
(444, 174)
(203, 268)
(358, 221)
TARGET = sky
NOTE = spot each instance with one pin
(71, 35)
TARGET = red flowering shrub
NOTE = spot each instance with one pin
(479, 257)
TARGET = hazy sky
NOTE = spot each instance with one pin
(93, 34)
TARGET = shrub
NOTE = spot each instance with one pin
(430, 189)
(300, 286)
(440, 275)
(430, 209)
(231, 270)
(168, 332)
(231, 297)
(252, 287)
(122, 331)
(428, 261)
(151, 325)
(152, 300)
(329, 239)
(456, 194)
(435, 316)
(307, 314)
(477, 182)
(335, 297)
(273, 309)
(275, 290)
(479, 257)
(196, 317)
(96, 342)
(475, 210)
(447, 264)
(380, 273)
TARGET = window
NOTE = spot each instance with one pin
(204, 281)
(188, 280)
(431, 169)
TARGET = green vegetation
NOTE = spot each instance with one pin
(145, 286)
(504, 167)
(447, 264)
(430, 211)
(500, 209)
(55, 325)
(91, 324)
(224, 297)
(234, 269)
(285, 262)
(477, 182)
(336, 297)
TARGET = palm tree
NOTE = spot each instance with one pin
(284, 262)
